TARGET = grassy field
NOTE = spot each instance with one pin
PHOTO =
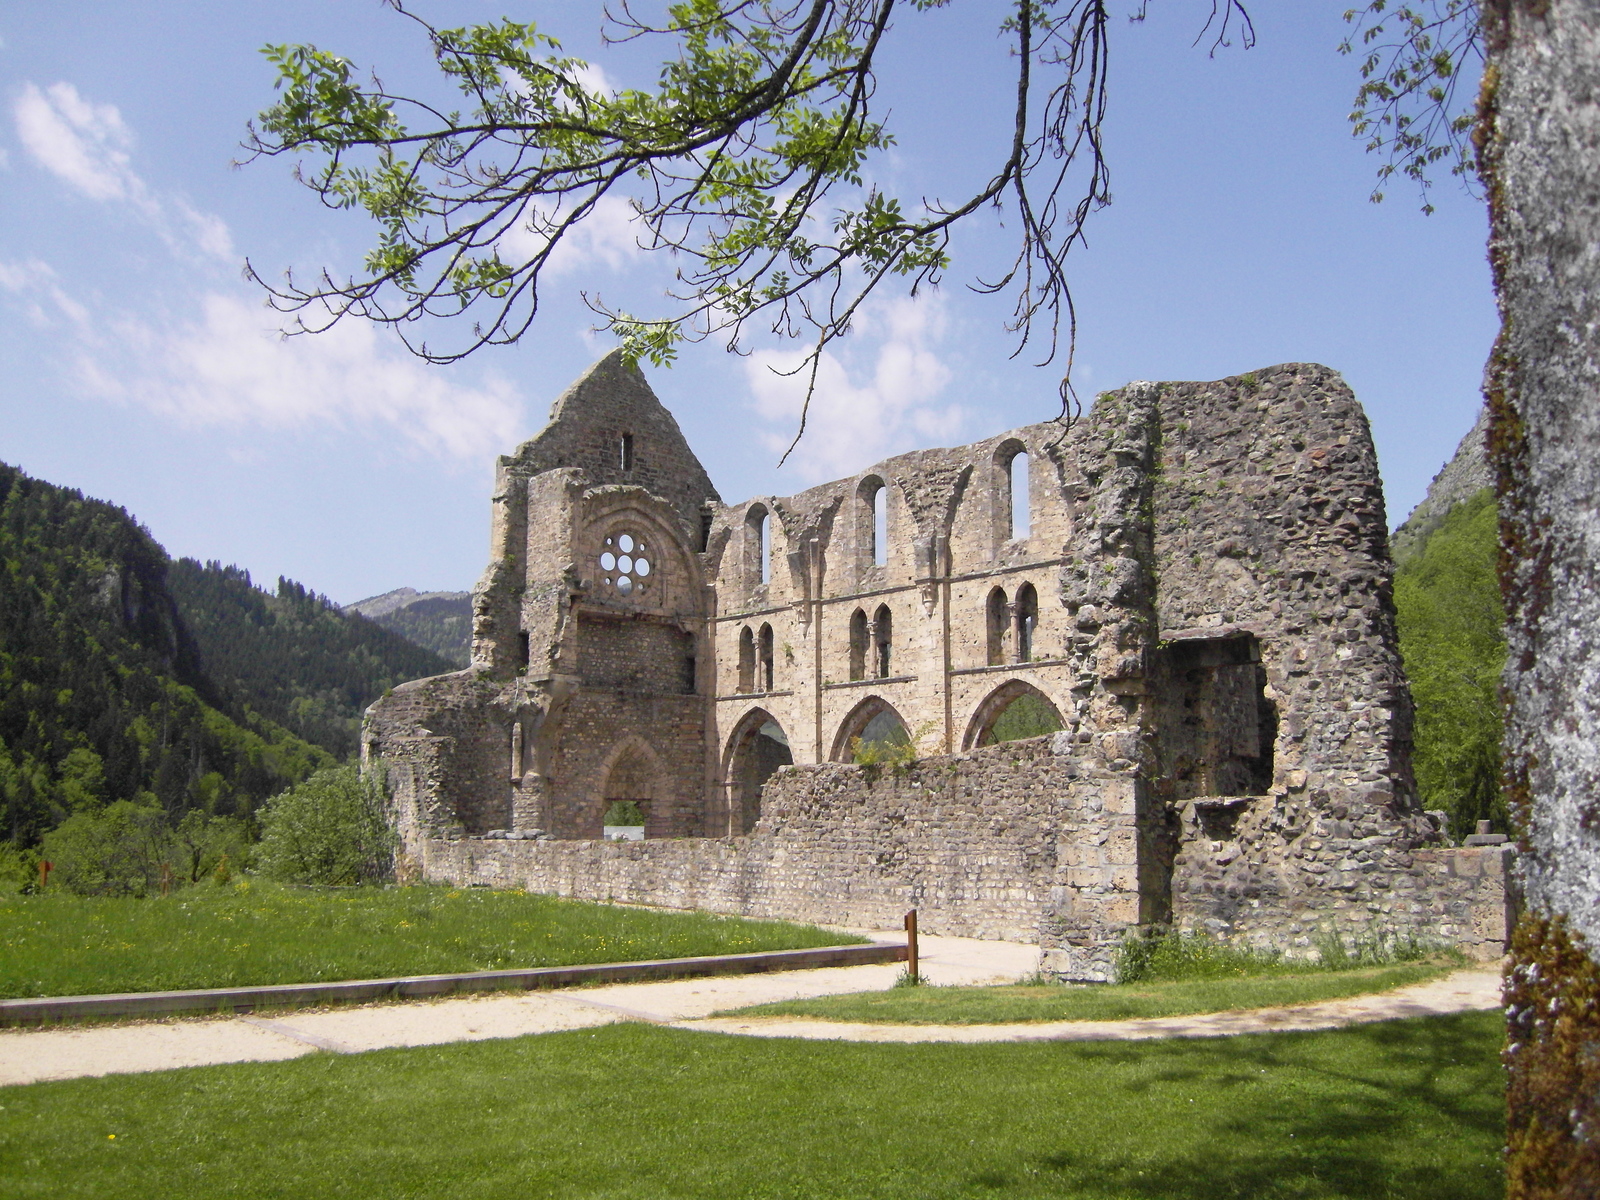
(1404, 1110)
(258, 933)
(1114, 1002)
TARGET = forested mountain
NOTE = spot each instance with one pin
(441, 621)
(102, 693)
(1453, 641)
(292, 656)
(126, 676)
(1452, 638)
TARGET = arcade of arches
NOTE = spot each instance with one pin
(1147, 664)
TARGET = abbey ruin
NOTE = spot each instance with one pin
(822, 703)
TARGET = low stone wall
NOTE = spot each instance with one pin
(1268, 871)
(982, 845)
(1026, 842)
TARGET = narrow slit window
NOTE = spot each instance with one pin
(766, 548)
(858, 645)
(1027, 621)
(1020, 523)
(747, 660)
(880, 526)
(627, 452)
(764, 644)
(883, 641)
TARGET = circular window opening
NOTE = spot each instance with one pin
(625, 563)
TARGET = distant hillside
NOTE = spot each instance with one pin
(1464, 476)
(292, 656)
(103, 694)
(1452, 638)
(439, 621)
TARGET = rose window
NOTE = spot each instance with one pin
(625, 563)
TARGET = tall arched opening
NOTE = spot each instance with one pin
(633, 787)
(873, 722)
(1014, 710)
(756, 750)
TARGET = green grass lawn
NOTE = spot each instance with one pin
(1097, 1002)
(1402, 1109)
(261, 933)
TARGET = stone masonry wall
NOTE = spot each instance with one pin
(988, 844)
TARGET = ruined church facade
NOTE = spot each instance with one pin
(821, 703)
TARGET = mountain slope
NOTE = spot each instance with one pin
(440, 621)
(102, 692)
(292, 656)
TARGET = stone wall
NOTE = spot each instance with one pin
(990, 844)
(1200, 595)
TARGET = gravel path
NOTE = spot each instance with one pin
(28, 1056)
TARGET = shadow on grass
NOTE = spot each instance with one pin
(1385, 1115)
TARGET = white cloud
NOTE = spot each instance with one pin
(858, 416)
(34, 284)
(232, 367)
(608, 236)
(82, 143)
(88, 146)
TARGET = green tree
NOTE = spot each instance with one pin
(119, 850)
(332, 829)
(1452, 636)
(748, 162)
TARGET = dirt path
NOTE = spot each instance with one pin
(28, 1056)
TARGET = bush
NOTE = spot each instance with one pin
(331, 829)
(117, 851)
(19, 870)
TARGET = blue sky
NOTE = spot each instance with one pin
(139, 366)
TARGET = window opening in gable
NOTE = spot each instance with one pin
(627, 452)
(625, 565)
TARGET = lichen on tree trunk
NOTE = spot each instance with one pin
(1539, 143)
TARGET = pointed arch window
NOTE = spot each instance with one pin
(872, 519)
(764, 666)
(758, 543)
(883, 641)
(1027, 621)
(999, 624)
(1021, 518)
(859, 640)
(747, 660)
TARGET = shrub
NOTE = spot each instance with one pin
(117, 851)
(19, 869)
(331, 829)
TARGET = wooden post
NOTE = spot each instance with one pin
(44, 872)
(911, 945)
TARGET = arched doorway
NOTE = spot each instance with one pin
(873, 722)
(1014, 710)
(756, 750)
(632, 794)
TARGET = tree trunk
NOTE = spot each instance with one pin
(1540, 153)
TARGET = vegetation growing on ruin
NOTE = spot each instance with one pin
(1116, 1002)
(1452, 637)
(1406, 1110)
(251, 931)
